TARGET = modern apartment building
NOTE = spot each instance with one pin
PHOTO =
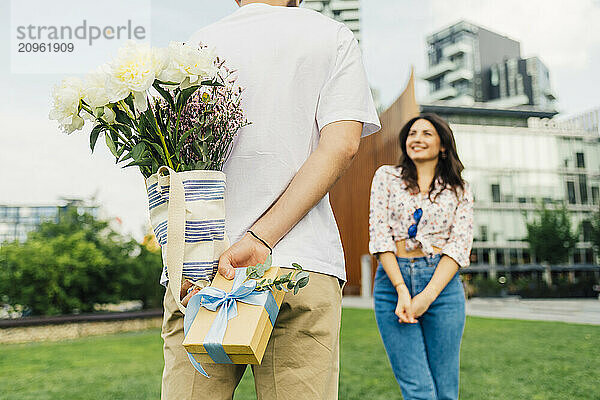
(346, 11)
(469, 64)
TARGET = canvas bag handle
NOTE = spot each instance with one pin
(175, 233)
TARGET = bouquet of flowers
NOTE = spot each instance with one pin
(176, 106)
(173, 112)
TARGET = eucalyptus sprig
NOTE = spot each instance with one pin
(292, 281)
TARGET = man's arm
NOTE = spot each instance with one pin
(337, 147)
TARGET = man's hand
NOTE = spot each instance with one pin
(248, 251)
(184, 296)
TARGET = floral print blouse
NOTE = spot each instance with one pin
(446, 223)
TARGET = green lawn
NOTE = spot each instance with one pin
(501, 359)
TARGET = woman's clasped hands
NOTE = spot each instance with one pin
(408, 308)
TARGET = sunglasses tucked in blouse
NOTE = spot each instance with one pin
(394, 215)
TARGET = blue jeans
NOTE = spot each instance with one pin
(425, 355)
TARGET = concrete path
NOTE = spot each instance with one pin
(581, 311)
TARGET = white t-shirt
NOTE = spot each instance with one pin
(300, 71)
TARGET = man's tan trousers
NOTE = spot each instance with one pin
(301, 360)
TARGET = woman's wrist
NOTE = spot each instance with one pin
(400, 287)
(430, 293)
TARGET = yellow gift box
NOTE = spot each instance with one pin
(246, 335)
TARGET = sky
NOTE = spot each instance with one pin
(39, 164)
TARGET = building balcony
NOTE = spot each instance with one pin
(350, 15)
(456, 48)
(462, 100)
(438, 70)
(507, 102)
(549, 94)
(313, 5)
(461, 74)
(444, 93)
(354, 26)
(341, 5)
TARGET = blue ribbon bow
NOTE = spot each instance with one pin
(215, 299)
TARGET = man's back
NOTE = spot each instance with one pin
(307, 97)
(300, 71)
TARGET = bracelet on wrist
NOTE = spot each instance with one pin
(399, 284)
(262, 241)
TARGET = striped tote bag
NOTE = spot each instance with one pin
(187, 213)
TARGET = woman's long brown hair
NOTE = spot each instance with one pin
(449, 168)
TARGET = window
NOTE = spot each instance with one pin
(595, 195)
(580, 160)
(483, 233)
(577, 257)
(586, 227)
(589, 256)
(496, 193)
(494, 75)
(499, 256)
(526, 257)
(571, 192)
(513, 257)
(583, 189)
(485, 253)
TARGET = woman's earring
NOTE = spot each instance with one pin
(444, 155)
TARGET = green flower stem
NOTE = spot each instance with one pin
(127, 142)
(125, 108)
(112, 128)
(162, 139)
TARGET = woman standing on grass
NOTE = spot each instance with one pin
(421, 231)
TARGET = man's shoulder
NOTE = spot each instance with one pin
(310, 20)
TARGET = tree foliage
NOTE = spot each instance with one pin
(70, 265)
(550, 235)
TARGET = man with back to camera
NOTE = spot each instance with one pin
(309, 102)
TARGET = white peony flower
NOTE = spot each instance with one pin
(95, 94)
(75, 125)
(188, 64)
(66, 98)
(104, 113)
(134, 70)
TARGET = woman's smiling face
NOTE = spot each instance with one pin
(423, 142)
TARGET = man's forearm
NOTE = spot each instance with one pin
(314, 179)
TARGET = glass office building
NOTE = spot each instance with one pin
(16, 221)
(514, 169)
